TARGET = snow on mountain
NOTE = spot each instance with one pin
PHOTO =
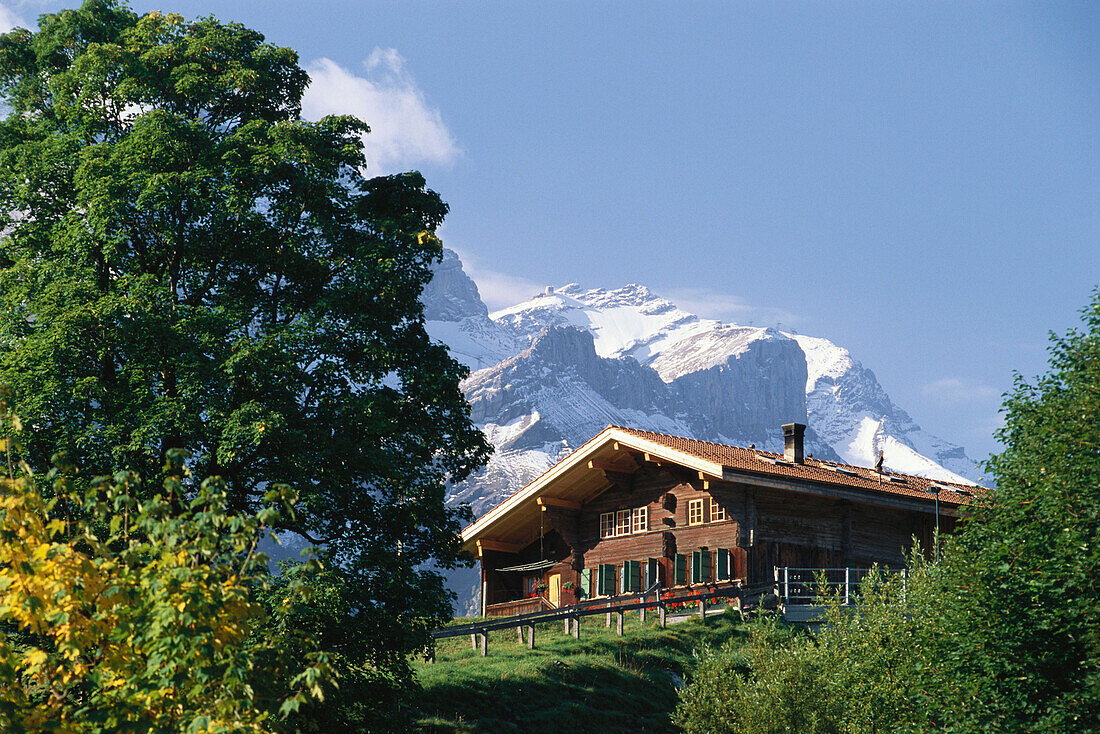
(456, 316)
(626, 322)
(850, 410)
(552, 371)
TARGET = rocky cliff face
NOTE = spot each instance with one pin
(551, 372)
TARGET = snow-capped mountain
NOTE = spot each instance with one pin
(551, 372)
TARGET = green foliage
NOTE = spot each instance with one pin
(1018, 593)
(184, 263)
(1002, 635)
(132, 613)
(850, 677)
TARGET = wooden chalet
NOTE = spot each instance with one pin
(631, 507)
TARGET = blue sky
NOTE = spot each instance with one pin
(919, 182)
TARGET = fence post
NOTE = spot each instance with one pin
(576, 627)
(703, 610)
(786, 584)
(619, 625)
(641, 614)
(484, 643)
(567, 625)
(661, 614)
(608, 622)
(530, 637)
(519, 633)
(473, 640)
(847, 585)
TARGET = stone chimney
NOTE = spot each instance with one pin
(793, 434)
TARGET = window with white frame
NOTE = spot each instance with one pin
(717, 512)
(695, 512)
(622, 522)
(639, 520)
(607, 524)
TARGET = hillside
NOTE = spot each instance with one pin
(600, 683)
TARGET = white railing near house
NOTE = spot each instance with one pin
(803, 586)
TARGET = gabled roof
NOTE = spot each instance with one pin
(572, 477)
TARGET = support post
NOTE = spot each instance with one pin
(641, 614)
(576, 628)
(620, 623)
(847, 585)
(484, 643)
(608, 622)
(530, 637)
(567, 622)
(703, 611)
(786, 584)
(473, 640)
(661, 614)
(519, 633)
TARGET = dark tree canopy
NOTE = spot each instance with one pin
(185, 263)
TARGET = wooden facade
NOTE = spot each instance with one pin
(630, 508)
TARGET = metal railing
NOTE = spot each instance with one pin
(802, 586)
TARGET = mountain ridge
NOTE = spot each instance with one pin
(549, 373)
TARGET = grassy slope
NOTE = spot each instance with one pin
(600, 683)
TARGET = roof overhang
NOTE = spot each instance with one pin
(577, 462)
(579, 477)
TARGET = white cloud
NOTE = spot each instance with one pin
(9, 19)
(405, 129)
(726, 307)
(958, 390)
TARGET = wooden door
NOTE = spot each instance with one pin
(555, 589)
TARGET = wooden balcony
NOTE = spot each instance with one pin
(518, 606)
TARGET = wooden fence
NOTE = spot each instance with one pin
(571, 615)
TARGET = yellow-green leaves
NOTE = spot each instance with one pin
(146, 629)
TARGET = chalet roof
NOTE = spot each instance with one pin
(756, 461)
(572, 481)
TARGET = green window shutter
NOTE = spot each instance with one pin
(680, 576)
(696, 570)
(607, 579)
(586, 581)
(653, 572)
(635, 575)
(723, 565)
(704, 566)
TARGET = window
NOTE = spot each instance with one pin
(652, 572)
(717, 512)
(639, 520)
(622, 522)
(607, 524)
(695, 512)
(724, 562)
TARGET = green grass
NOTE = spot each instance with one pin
(600, 683)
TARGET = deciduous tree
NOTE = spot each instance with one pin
(185, 263)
